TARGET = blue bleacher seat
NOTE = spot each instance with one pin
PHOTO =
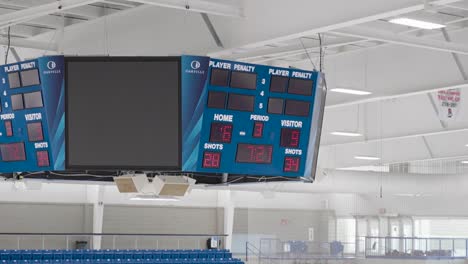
(157, 254)
(148, 254)
(66, 254)
(5, 255)
(98, 254)
(137, 254)
(108, 254)
(26, 254)
(128, 254)
(203, 255)
(117, 261)
(118, 254)
(165, 255)
(175, 255)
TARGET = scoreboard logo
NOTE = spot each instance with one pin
(51, 65)
(52, 68)
(195, 65)
(195, 68)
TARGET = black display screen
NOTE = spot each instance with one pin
(254, 153)
(217, 99)
(221, 132)
(123, 112)
(275, 105)
(219, 77)
(297, 108)
(241, 102)
(35, 132)
(13, 152)
(17, 102)
(244, 80)
(278, 84)
(14, 80)
(290, 137)
(300, 86)
(33, 100)
(30, 77)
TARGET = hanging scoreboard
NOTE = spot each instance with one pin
(32, 115)
(250, 119)
(188, 113)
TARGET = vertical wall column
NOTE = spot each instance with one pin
(225, 200)
(98, 215)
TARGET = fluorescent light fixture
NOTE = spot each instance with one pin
(465, 162)
(345, 134)
(350, 91)
(366, 158)
(154, 198)
(466, 145)
(416, 23)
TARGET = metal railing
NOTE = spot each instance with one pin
(106, 241)
(277, 251)
(416, 247)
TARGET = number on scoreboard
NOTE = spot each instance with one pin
(211, 160)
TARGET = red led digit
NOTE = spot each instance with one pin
(211, 160)
(226, 130)
(42, 158)
(35, 132)
(259, 153)
(251, 153)
(295, 138)
(258, 130)
(8, 128)
(221, 132)
(291, 164)
(13, 152)
(290, 137)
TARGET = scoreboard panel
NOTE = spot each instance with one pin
(250, 119)
(32, 115)
(235, 117)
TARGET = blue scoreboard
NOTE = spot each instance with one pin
(250, 119)
(32, 115)
(235, 118)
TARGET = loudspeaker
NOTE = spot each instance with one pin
(172, 185)
(132, 183)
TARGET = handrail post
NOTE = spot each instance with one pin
(113, 242)
(43, 242)
(68, 241)
(246, 251)
(18, 242)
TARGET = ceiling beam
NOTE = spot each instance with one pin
(200, 6)
(290, 50)
(417, 135)
(31, 13)
(31, 44)
(84, 11)
(262, 28)
(425, 43)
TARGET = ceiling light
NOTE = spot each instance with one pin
(465, 162)
(154, 198)
(345, 134)
(416, 23)
(350, 91)
(366, 158)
